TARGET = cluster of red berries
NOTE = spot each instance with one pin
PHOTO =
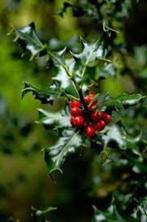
(93, 121)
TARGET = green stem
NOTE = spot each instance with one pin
(76, 86)
(86, 111)
(61, 63)
(80, 93)
(70, 75)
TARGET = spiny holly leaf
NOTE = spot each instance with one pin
(119, 102)
(91, 64)
(44, 96)
(54, 119)
(64, 72)
(107, 70)
(67, 144)
(90, 53)
(114, 134)
(29, 40)
(131, 99)
(65, 69)
(122, 138)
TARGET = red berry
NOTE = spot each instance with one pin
(100, 125)
(90, 131)
(87, 99)
(78, 121)
(106, 117)
(95, 116)
(72, 120)
(76, 111)
(74, 104)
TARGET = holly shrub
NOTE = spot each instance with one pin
(101, 135)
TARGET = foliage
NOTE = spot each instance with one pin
(117, 155)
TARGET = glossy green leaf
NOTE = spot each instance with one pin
(129, 99)
(90, 54)
(67, 144)
(114, 133)
(45, 96)
(64, 71)
(28, 39)
(54, 119)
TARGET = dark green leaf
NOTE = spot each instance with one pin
(67, 144)
(129, 99)
(64, 71)
(90, 53)
(45, 97)
(29, 40)
(54, 119)
(114, 133)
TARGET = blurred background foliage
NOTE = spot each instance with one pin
(23, 176)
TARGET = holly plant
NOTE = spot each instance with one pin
(88, 119)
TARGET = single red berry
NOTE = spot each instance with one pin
(76, 111)
(90, 131)
(100, 125)
(95, 116)
(87, 99)
(106, 117)
(78, 121)
(74, 104)
(72, 120)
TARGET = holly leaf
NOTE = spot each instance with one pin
(122, 101)
(67, 144)
(91, 63)
(107, 70)
(131, 99)
(45, 97)
(114, 133)
(28, 39)
(54, 119)
(64, 72)
(90, 53)
(122, 138)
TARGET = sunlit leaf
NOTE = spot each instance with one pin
(129, 99)
(28, 39)
(90, 53)
(115, 134)
(47, 96)
(54, 119)
(62, 76)
(67, 144)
